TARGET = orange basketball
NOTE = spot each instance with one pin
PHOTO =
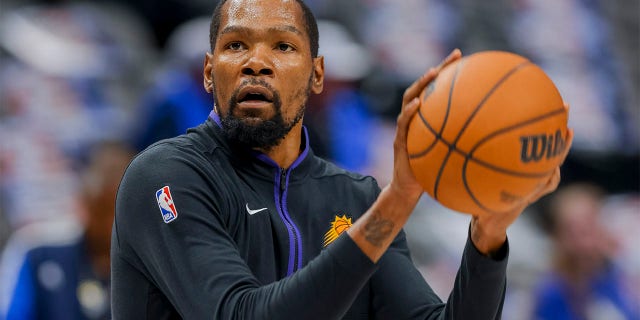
(490, 130)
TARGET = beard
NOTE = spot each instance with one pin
(265, 134)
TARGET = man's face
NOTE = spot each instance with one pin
(261, 70)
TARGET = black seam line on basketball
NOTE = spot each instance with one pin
(451, 86)
(466, 186)
(516, 126)
(433, 144)
(451, 146)
(486, 97)
(438, 135)
(470, 157)
(437, 183)
(509, 172)
(473, 197)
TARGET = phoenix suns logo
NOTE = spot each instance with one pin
(338, 226)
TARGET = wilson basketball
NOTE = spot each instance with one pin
(490, 130)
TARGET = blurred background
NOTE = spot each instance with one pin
(84, 85)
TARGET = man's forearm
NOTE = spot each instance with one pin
(376, 229)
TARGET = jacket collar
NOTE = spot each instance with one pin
(257, 163)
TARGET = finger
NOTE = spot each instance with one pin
(453, 56)
(541, 190)
(568, 140)
(403, 121)
(553, 182)
(419, 85)
(551, 185)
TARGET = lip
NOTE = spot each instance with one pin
(244, 92)
(253, 104)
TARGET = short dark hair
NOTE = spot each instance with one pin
(549, 206)
(311, 26)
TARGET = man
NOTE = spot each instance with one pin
(59, 269)
(252, 224)
(584, 281)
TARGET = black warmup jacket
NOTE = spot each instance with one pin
(203, 231)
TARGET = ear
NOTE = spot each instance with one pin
(318, 75)
(206, 72)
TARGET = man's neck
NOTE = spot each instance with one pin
(288, 150)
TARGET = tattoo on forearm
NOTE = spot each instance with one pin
(377, 229)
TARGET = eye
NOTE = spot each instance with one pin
(235, 46)
(285, 47)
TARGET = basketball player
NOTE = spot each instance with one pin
(237, 219)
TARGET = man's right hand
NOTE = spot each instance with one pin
(403, 181)
(377, 228)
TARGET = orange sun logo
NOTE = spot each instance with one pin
(338, 226)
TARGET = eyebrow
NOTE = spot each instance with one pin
(241, 29)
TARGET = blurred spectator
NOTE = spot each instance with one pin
(483, 25)
(69, 77)
(177, 101)
(572, 41)
(623, 18)
(584, 283)
(165, 16)
(407, 37)
(60, 269)
(71, 74)
(403, 38)
(348, 14)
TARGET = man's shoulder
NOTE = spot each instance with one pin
(184, 160)
(325, 169)
(195, 146)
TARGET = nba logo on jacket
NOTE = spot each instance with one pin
(165, 202)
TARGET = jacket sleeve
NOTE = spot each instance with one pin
(400, 291)
(195, 264)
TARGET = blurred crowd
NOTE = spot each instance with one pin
(84, 85)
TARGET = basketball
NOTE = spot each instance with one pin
(490, 130)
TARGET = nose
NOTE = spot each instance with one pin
(259, 62)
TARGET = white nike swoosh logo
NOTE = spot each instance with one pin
(252, 212)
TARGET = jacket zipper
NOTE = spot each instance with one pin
(294, 240)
